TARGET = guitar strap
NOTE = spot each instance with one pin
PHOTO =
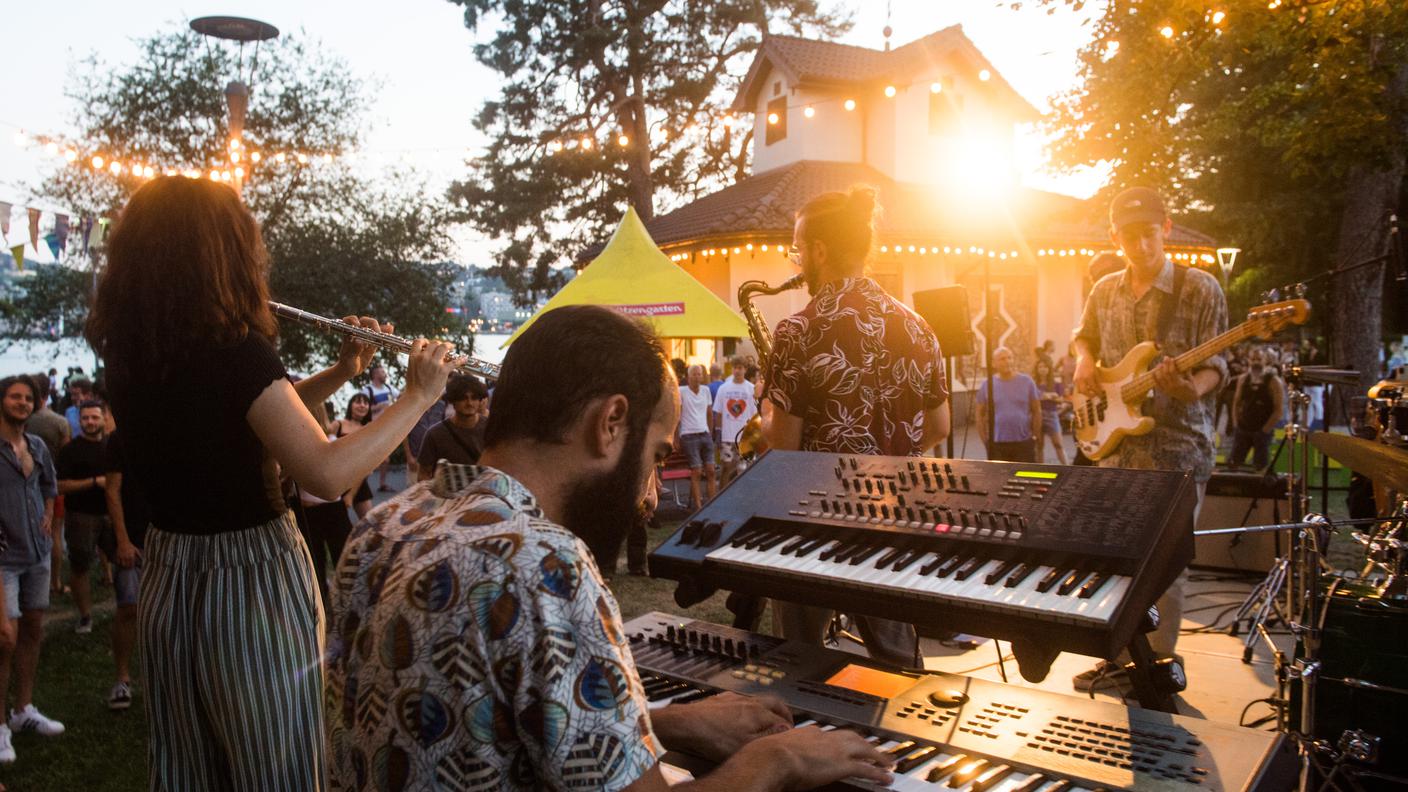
(1180, 274)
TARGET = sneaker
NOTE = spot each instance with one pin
(121, 696)
(85, 625)
(1104, 676)
(31, 719)
(7, 749)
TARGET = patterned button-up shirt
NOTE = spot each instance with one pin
(473, 645)
(859, 368)
(1114, 322)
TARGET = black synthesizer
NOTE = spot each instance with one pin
(1068, 556)
(951, 732)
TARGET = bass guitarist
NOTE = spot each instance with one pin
(1179, 308)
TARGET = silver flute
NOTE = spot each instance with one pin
(387, 341)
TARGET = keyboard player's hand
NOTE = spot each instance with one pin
(718, 726)
(814, 757)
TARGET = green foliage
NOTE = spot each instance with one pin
(339, 241)
(1280, 130)
(659, 72)
(49, 301)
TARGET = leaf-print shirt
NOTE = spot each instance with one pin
(1115, 321)
(859, 368)
(472, 645)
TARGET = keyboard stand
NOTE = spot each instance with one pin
(1142, 676)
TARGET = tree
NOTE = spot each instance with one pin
(1283, 125)
(607, 103)
(340, 242)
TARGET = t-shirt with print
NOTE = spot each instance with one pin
(694, 410)
(472, 644)
(859, 368)
(734, 404)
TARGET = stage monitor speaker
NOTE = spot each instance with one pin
(946, 311)
(1234, 500)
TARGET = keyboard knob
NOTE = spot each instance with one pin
(948, 698)
(690, 534)
(709, 534)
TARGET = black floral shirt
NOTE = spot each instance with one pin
(473, 645)
(859, 368)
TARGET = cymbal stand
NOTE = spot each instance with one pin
(1260, 607)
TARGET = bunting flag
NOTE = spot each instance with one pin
(52, 240)
(5, 219)
(18, 252)
(61, 231)
(85, 230)
(34, 229)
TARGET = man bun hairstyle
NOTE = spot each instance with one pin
(567, 358)
(842, 221)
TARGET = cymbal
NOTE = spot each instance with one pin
(1384, 464)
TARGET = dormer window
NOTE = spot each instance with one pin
(776, 120)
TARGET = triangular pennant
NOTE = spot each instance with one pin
(52, 240)
(61, 231)
(85, 229)
(4, 219)
(34, 229)
(18, 252)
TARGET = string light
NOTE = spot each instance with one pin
(70, 155)
(850, 105)
(936, 87)
(984, 75)
(772, 118)
(302, 159)
(586, 144)
(280, 157)
(51, 148)
(255, 157)
(889, 92)
(1218, 16)
(1166, 31)
(623, 141)
(116, 168)
(96, 162)
(809, 111)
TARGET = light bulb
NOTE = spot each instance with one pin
(936, 87)
(809, 111)
(850, 104)
(1166, 31)
(97, 162)
(255, 156)
(890, 92)
(116, 168)
(71, 155)
(984, 75)
(772, 118)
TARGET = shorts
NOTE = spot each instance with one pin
(126, 582)
(26, 588)
(82, 533)
(698, 449)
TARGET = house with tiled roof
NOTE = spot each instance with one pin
(931, 125)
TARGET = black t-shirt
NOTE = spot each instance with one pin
(135, 513)
(80, 460)
(447, 441)
(188, 439)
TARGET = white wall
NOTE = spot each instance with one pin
(831, 135)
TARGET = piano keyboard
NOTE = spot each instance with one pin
(889, 563)
(951, 733)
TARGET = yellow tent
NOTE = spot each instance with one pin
(633, 277)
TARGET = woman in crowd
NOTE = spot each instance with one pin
(1053, 393)
(229, 622)
(357, 415)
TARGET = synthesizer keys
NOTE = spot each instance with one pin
(950, 733)
(1069, 556)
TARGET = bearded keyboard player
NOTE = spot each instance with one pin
(472, 641)
(855, 372)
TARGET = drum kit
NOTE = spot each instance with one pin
(1344, 685)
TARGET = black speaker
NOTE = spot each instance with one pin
(946, 311)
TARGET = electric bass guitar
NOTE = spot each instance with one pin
(1102, 421)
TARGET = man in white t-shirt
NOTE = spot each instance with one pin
(734, 405)
(696, 434)
(381, 395)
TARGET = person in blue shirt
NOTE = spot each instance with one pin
(1017, 414)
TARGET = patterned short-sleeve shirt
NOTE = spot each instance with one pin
(1115, 321)
(859, 368)
(473, 646)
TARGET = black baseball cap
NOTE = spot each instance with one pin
(1137, 205)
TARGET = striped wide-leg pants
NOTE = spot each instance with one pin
(232, 639)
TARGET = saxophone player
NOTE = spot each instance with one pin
(854, 372)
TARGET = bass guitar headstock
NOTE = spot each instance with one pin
(1268, 319)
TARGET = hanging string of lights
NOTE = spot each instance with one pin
(1192, 257)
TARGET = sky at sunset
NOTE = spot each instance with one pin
(418, 55)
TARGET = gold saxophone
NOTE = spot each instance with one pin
(750, 440)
